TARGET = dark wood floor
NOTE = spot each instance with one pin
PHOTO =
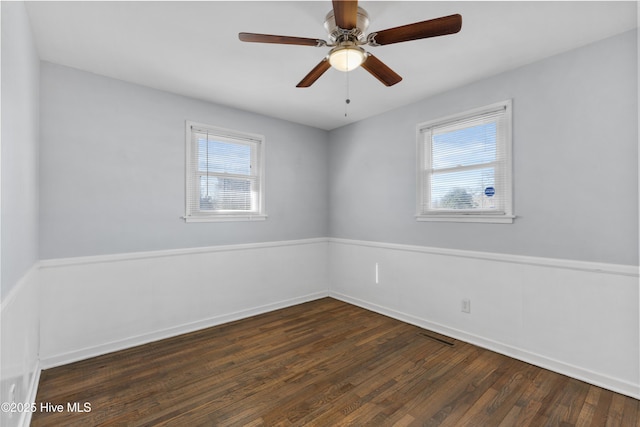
(323, 363)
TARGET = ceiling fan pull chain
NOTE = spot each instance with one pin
(347, 101)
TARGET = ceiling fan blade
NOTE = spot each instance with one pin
(380, 71)
(315, 74)
(269, 38)
(419, 30)
(346, 13)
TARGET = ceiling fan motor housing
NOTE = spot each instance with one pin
(336, 34)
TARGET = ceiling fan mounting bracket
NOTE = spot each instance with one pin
(337, 34)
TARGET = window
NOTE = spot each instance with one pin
(225, 175)
(464, 167)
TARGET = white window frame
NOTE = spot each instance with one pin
(424, 171)
(192, 193)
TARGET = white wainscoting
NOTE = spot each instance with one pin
(20, 337)
(95, 305)
(573, 317)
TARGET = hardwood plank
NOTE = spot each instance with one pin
(602, 410)
(615, 411)
(534, 400)
(631, 412)
(589, 407)
(464, 389)
(573, 395)
(322, 363)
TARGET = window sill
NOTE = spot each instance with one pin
(495, 219)
(225, 218)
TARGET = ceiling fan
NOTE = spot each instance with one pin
(346, 25)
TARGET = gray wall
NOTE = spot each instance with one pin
(575, 148)
(112, 167)
(112, 170)
(20, 133)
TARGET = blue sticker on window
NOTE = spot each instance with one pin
(489, 191)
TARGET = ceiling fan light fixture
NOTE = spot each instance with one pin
(346, 58)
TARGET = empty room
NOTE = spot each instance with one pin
(287, 213)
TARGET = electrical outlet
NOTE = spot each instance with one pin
(377, 274)
(466, 306)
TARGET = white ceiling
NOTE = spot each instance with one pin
(192, 48)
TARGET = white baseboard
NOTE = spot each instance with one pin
(614, 384)
(86, 353)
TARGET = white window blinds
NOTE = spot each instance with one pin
(465, 165)
(224, 174)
